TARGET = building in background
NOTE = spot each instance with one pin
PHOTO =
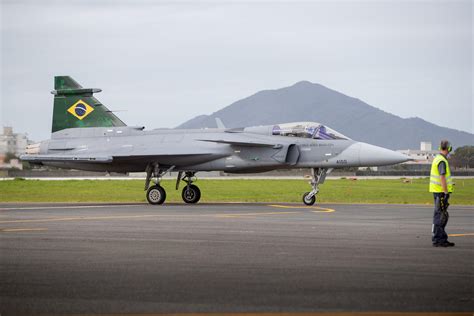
(422, 159)
(422, 156)
(12, 145)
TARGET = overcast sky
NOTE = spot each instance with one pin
(164, 62)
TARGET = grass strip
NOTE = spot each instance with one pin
(398, 191)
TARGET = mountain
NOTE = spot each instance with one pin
(306, 101)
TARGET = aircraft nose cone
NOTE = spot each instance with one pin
(371, 155)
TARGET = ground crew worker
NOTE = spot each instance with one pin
(441, 184)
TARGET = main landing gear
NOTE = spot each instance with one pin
(156, 194)
(318, 175)
(191, 193)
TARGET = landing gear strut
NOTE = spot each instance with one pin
(191, 193)
(155, 194)
(318, 175)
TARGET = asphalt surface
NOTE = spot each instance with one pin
(232, 258)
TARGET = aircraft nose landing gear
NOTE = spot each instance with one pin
(191, 193)
(318, 175)
(309, 198)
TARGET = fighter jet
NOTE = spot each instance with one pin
(86, 135)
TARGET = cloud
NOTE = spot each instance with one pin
(165, 62)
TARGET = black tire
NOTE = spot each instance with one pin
(309, 201)
(156, 195)
(191, 194)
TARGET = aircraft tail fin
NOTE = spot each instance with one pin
(219, 123)
(75, 106)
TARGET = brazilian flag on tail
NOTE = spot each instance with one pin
(75, 106)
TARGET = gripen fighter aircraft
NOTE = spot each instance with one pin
(88, 136)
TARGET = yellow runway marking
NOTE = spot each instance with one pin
(86, 218)
(319, 209)
(11, 230)
(460, 235)
(256, 214)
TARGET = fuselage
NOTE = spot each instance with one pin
(246, 150)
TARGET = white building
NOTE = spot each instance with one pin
(425, 146)
(14, 143)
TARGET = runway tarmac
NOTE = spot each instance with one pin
(70, 258)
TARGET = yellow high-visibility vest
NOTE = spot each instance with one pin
(435, 177)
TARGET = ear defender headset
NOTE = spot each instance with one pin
(447, 146)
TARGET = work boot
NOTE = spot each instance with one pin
(444, 244)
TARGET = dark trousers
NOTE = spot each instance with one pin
(440, 220)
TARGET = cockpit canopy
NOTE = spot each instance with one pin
(307, 130)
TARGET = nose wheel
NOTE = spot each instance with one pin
(309, 200)
(318, 175)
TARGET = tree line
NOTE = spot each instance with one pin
(463, 157)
